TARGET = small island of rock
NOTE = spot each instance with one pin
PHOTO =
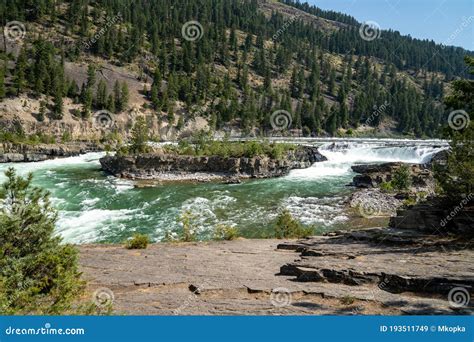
(224, 161)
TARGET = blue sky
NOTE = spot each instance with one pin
(449, 22)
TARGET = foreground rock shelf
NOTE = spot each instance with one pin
(375, 271)
(395, 261)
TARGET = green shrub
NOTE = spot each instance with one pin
(203, 145)
(409, 202)
(402, 178)
(223, 232)
(122, 150)
(138, 241)
(287, 227)
(278, 151)
(66, 137)
(386, 187)
(189, 232)
(38, 273)
(253, 149)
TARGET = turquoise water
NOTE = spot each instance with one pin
(95, 207)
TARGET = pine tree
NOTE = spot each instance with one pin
(42, 111)
(58, 105)
(87, 103)
(155, 101)
(90, 76)
(140, 136)
(331, 124)
(20, 72)
(101, 95)
(170, 116)
(111, 103)
(457, 178)
(124, 96)
(118, 96)
(39, 274)
(332, 82)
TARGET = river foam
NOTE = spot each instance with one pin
(342, 155)
(95, 207)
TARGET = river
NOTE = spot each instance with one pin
(95, 207)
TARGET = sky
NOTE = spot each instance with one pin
(449, 22)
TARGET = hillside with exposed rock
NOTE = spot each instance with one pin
(85, 70)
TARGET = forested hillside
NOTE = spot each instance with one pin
(232, 63)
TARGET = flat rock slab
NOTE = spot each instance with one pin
(396, 261)
(240, 277)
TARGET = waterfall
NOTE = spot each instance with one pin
(342, 155)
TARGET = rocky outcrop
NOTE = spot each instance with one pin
(11, 153)
(167, 166)
(438, 215)
(439, 159)
(396, 261)
(371, 198)
(372, 175)
(374, 203)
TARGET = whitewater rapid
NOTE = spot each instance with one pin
(342, 155)
(95, 207)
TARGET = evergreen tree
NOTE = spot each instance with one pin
(124, 96)
(91, 76)
(331, 124)
(332, 82)
(20, 72)
(87, 103)
(38, 273)
(118, 96)
(58, 105)
(139, 136)
(457, 178)
(42, 111)
(101, 95)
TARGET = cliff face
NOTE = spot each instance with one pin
(10, 153)
(155, 166)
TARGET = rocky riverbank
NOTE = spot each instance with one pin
(376, 196)
(386, 271)
(171, 167)
(373, 175)
(13, 153)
